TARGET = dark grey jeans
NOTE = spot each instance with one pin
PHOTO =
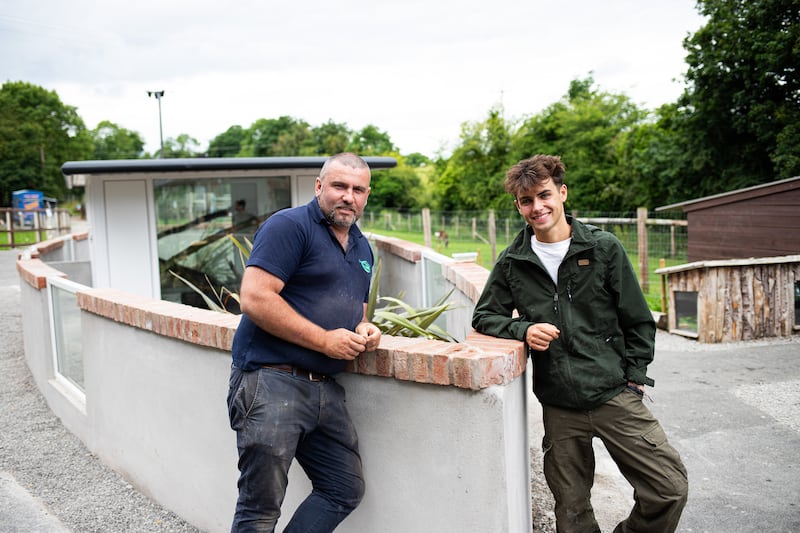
(278, 417)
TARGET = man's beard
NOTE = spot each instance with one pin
(342, 223)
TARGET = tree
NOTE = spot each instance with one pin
(228, 144)
(330, 138)
(584, 128)
(371, 141)
(416, 159)
(399, 187)
(184, 145)
(472, 178)
(38, 133)
(741, 108)
(283, 136)
(114, 142)
(650, 157)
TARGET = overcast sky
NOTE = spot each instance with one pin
(415, 69)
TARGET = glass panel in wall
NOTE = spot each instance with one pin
(66, 316)
(436, 287)
(686, 310)
(194, 219)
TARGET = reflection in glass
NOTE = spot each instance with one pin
(193, 221)
(67, 331)
(686, 310)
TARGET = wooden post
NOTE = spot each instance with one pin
(661, 264)
(493, 235)
(426, 225)
(641, 225)
(672, 250)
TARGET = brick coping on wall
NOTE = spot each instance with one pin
(478, 362)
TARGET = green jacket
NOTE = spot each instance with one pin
(607, 330)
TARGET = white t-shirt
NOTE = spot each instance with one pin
(551, 254)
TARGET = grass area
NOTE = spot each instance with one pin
(484, 252)
(21, 238)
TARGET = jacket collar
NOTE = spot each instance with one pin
(582, 238)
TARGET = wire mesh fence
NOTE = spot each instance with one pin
(652, 240)
(459, 231)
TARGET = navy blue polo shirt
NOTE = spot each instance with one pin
(321, 282)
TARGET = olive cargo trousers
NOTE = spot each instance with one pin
(638, 445)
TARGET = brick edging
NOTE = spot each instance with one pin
(478, 362)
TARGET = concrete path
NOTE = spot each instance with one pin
(733, 412)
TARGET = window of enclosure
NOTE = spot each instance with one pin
(66, 331)
(797, 303)
(686, 310)
(195, 220)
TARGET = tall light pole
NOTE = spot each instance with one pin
(158, 95)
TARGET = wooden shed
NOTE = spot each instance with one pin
(736, 299)
(760, 221)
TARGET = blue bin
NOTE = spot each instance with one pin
(27, 199)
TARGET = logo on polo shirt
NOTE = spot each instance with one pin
(366, 266)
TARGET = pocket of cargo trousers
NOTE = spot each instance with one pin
(656, 436)
(667, 457)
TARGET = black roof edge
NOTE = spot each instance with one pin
(117, 166)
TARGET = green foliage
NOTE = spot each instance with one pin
(283, 136)
(329, 138)
(371, 141)
(648, 156)
(221, 296)
(584, 128)
(741, 108)
(417, 160)
(228, 144)
(115, 142)
(472, 178)
(182, 146)
(399, 187)
(399, 319)
(38, 133)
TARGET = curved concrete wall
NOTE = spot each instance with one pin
(443, 426)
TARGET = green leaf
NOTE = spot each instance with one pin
(214, 306)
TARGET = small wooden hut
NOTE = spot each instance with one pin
(743, 279)
(733, 300)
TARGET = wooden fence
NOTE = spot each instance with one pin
(21, 227)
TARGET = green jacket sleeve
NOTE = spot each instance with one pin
(494, 312)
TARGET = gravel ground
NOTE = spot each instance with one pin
(46, 459)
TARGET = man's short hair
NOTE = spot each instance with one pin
(533, 171)
(348, 159)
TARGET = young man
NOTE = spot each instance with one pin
(591, 337)
(303, 299)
